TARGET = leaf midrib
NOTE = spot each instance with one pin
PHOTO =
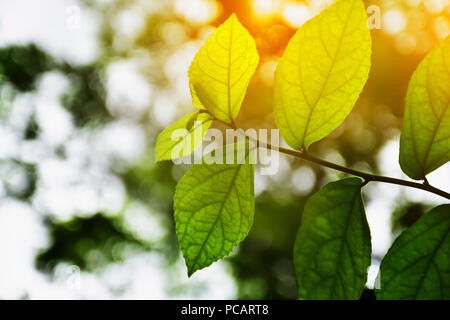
(218, 216)
(344, 241)
(433, 137)
(430, 261)
(430, 256)
(314, 105)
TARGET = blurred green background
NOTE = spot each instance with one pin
(85, 88)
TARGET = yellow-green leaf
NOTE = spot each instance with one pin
(425, 139)
(221, 70)
(182, 137)
(322, 73)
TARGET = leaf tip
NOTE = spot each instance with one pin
(233, 17)
(191, 271)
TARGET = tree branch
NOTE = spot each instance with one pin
(304, 155)
(366, 176)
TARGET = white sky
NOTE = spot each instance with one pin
(46, 22)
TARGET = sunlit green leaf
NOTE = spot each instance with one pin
(417, 265)
(214, 207)
(221, 70)
(332, 250)
(182, 137)
(322, 73)
(425, 140)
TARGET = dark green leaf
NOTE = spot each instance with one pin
(417, 265)
(332, 250)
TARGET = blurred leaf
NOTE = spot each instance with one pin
(332, 251)
(417, 265)
(85, 99)
(193, 128)
(425, 139)
(406, 214)
(322, 73)
(221, 70)
(32, 130)
(214, 207)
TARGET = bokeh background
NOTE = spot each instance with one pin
(85, 88)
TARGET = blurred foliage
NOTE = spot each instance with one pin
(89, 243)
(86, 98)
(263, 261)
(22, 65)
(406, 214)
(32, 130)
(19, 178)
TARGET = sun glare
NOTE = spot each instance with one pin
(436, 6)
(394, 21)
(264, 8)
(293, 12)
(200, 11)
(296, 14)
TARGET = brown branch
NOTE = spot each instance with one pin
(304, 155)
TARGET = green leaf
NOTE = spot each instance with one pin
(182, 137)
(417, 266)
(221, 70)
(425, 139)
(214, 207)
(322, 73)
(333, 251)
